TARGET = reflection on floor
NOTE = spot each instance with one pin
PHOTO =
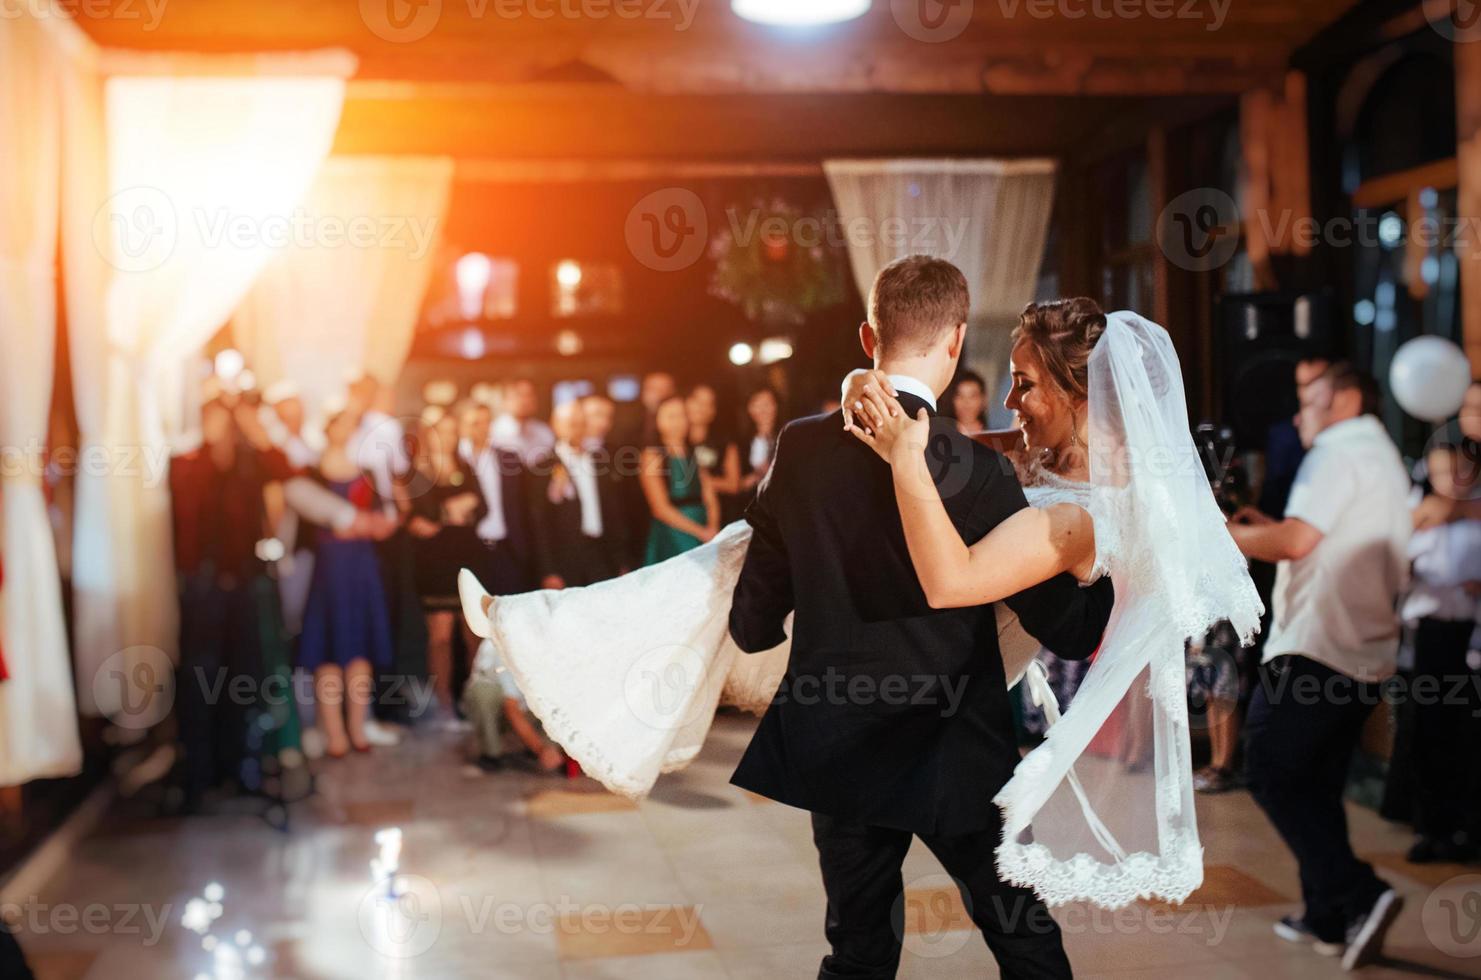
(520, 876)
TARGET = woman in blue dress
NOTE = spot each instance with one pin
(346, 633)
(685, 507)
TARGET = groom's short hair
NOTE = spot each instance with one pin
(913, 301)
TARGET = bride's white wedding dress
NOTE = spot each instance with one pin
(626, 674)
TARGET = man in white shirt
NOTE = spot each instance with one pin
(580, 531)
(379, 443)
(1342, 554)
(518, 430)
(503, 480)
(599, 415)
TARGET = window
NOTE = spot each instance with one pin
(470, 287)
(584, 288)
(1127, 250)
(569, 391)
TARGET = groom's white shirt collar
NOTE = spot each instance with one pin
(905, 384)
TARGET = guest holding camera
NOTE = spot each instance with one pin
(1342, 550)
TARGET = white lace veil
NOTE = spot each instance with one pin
(1102, 810)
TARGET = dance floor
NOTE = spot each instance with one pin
(521, 876)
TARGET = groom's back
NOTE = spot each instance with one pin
(891, 712)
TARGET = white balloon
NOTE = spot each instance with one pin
(1429, 377)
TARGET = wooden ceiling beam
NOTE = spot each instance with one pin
(617, 125)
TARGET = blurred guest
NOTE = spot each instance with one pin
(686, 512)
(580, 534)
(1212, 674)
(1444, 737)
(657, 387)
(379, 449)
(1436, 508)
(494, 705)
(600, 415)
(284, 418)
(378, 444)
(519, 430)
(219, 516)
(717, 452)
(1342, 550)
(1283, 448)
(504, 530)
(346, 626)
(968, 401)
(287, 429)
(1470, 413)
(763, 409)
(1209, 675)
(625, 448)
(445, 506)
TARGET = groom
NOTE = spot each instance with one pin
(893, 719)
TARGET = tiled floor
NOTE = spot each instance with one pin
(519, 876)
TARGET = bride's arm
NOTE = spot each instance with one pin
(1027, 548)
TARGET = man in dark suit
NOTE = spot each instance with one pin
(577, 510)
(893, 719)
(505, 530)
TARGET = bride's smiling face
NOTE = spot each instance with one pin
(1044, 413)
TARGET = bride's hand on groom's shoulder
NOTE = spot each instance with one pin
(854, 385)
(882, 425)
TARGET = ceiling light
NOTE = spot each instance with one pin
(741, 354)
(775, 349)
(799, 12)
(568, 274)
(568, 343)
(472, 272)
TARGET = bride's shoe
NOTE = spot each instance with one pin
(476, 604)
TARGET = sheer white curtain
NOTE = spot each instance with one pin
(351, 299)
(990, 218)
(182, 175)
(38, 719)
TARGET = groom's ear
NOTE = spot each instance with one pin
(958, 340)
(867, 340)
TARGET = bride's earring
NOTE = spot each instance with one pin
(1075, 441)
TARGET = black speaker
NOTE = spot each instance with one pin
(1262, 336)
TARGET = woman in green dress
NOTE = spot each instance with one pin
(685, 507)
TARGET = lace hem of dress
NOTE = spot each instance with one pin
(566, 732)
(1170, 877)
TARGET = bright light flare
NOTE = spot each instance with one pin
(798, 13)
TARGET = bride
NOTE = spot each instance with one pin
(626, 674)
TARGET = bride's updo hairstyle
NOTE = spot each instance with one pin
(1063, 332)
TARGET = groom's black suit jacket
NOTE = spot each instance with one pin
(891, 713)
